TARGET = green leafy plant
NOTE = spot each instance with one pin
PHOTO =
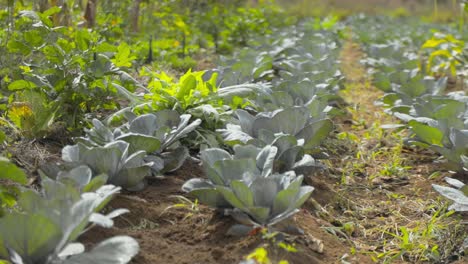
(11, 175)
(444, 50)
(450, 142)
(46, 228)
(260, 198)
(266, 201)
(157, 134)
(293, 131)
(459, 194)
(197, 94)
(72, 71)
(406, 87)
(114, 159)
(80, 177)
(222, 168)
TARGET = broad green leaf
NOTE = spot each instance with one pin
(211, 155)
(82, 39)
(315, 133)
(243, 193)
(452, 194)
(123, 57)
(259, 214)
(115, 250)
(20, 85)
(427, 134)
(229, 195)
(284, 200)
(11, 172)
(187, 85)
(264, 191)
(140, 142)
(32, 236)
(95, 183)
(174, 158)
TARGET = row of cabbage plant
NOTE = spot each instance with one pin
(276, 139)
(436, 118)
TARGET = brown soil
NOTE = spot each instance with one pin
(198, 235)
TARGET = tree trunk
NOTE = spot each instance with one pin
(62, 18)
(90, 13)
(42, 5)
(136, 15)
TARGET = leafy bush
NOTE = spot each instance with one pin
(197, 94)
(70, 71)
(444, 50)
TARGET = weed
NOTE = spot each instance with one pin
(185, 204)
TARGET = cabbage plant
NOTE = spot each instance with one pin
(247, 187)
(157, 134)
(221, 168)
(291, 130)
(266, 201)
(81, 177)
(46, 227)
(459, 194)
(448, 141)
(408, 86)
(113, 159)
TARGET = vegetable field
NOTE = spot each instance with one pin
(220, 131)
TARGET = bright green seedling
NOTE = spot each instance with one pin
(157, 134)
(46, 229)
(197, 94)
(459, 194)
(192, 90)
(189, 91)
